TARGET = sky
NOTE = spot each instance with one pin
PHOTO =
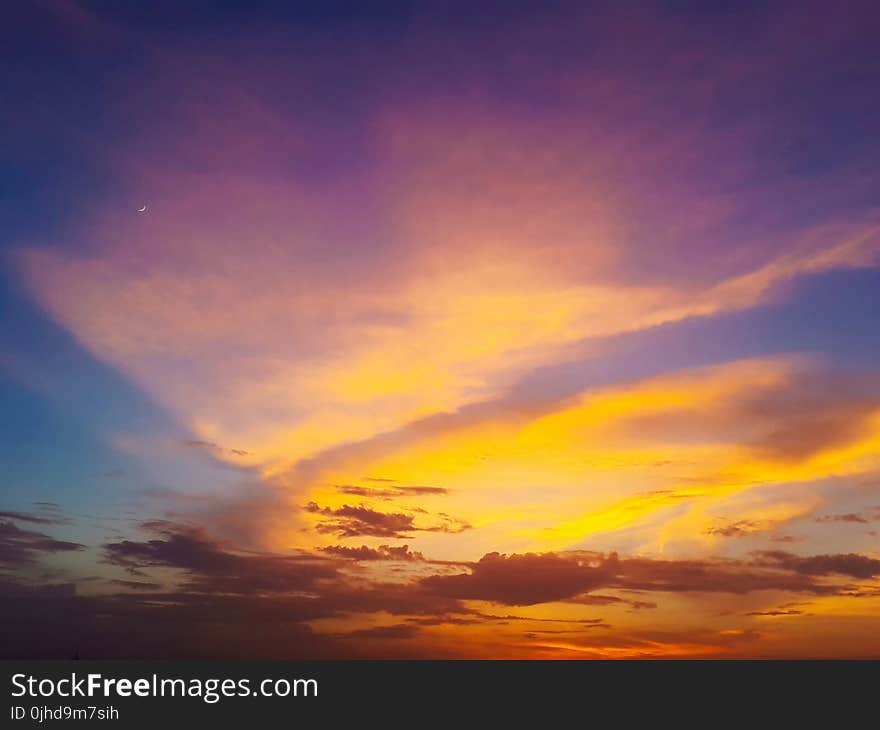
(440, 330)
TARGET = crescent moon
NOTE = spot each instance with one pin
(142, 210)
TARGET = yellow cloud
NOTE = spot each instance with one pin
(553, 479)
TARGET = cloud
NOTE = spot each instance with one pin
(520, 579)
(55, 622)
(390, 492)
(710, 576)
(850, 564)
(539, 578)
(386, 315)
(786, 609)
(362, 521)
(777, 612)
(596, 599)
(383, 552)
(646, 448)
(397, 631)
(645, 644)
(19, 547)
(136, 585)
(348, 521)
(272, 605)
(370, 298)
(790, 412)
(214, 448)
(211, 567)
(525, 579)
(848, 517)
(739, 528)
(48, 506)
(44, 519)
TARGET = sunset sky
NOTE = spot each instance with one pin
(450, 330)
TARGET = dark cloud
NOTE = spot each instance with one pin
(390, 492)
(597, 599)
(448, 524)
(641, 643)
(211, 446)
(54, 622)
(740, 528)
(136, 585)
(520, 580)
(383, 552)
(539, 578)
(849, 517)
(311, 585)
(777, 612)
(448, 620)
(508, 579)
(850, 564)
(397, 599)
(709, 576)
(580, 622)
(787, 609)
(227, 602)
(861, 592)
(361, 521)
(537, 633)
(50, 519)
(19, 547)
(195, 443)
(212, 567)
(397, 631)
